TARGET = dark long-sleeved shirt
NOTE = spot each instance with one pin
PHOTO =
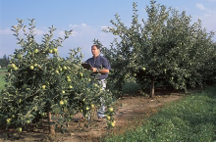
(100, 62)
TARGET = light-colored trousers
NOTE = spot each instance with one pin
(101, 110)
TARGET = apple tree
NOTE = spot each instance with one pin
(137, 48)
(43, 85)
(163, 50)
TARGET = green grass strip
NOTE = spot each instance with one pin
(3, 70)
(192, 119)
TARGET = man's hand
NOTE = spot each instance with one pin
(94, 69)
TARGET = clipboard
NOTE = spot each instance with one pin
(86, 66)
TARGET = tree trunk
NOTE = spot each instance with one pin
(50, 125)
(152, 90)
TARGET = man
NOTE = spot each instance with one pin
(99, 65)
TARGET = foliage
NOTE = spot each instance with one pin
(190, 119)
(41, 84)
(164, 49)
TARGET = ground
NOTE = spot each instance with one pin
(130, 109)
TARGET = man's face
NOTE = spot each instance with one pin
(95, 51)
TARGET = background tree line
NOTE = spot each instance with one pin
(4, 61)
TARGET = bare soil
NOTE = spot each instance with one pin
(130, 111)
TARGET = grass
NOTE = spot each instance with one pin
(3, 70)
(192, 119)
(2, 81)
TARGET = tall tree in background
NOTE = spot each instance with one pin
(4, 61)
(163, 50)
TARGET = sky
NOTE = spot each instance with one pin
(86, 18)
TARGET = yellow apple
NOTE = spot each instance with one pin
(64, 67)
(63, 91)
(61, 102)
(55, 50)
(96, 85)
(36, 51)
(57, 71)
(16, 68)
(68, 80)
(8, 120)
(87, 108)
(50, 51)
(112, 124)
(70, 86)
(19, 129)
(144, 68)
(44, 87)
(111, 109)
(28, 121)
(43, 114)
(31, 67)
(13, 65)
(92, 105)
(19, 56)
(108, 117)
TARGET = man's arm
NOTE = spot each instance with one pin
(100, 70)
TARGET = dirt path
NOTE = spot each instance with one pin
(130, 111)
